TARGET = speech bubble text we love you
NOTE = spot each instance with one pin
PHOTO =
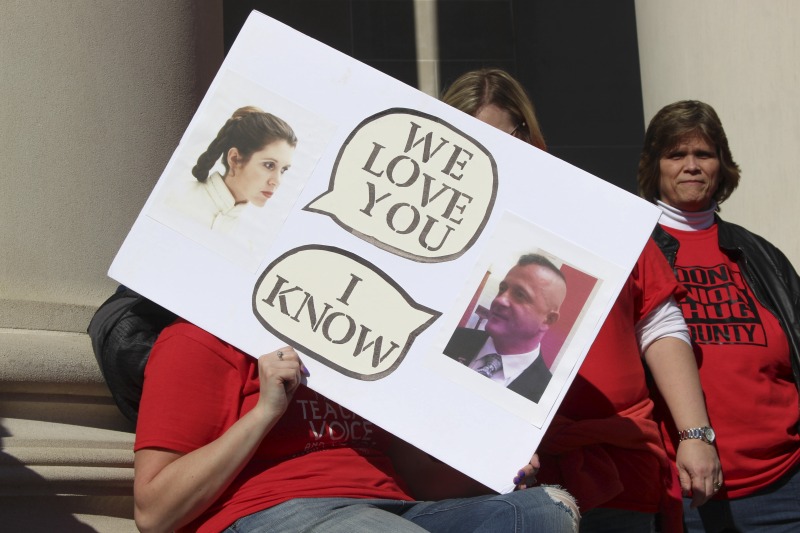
(411, 184)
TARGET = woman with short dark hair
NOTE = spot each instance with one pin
(743, 311)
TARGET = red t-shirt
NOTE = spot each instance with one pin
(603, 444)
(197, 386)
(745, 369)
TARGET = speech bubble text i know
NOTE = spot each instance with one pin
(339, 309)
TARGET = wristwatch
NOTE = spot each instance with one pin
(705, 433)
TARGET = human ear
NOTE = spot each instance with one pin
(552, 317)
(233, 157)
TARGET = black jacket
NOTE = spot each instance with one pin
(465, 344)
(765, 269)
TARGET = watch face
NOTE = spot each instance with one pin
(710, 435)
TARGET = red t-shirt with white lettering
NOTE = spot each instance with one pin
(197, 386)
(745, 369)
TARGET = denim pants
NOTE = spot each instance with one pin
(539, 509)
(775, 509)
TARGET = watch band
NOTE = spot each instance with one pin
(704, 433)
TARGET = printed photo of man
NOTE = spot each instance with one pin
(508, 351)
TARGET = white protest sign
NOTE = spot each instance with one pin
(393, 224)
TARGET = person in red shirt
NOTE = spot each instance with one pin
(743, 313)
(228, 442)
(604, 445)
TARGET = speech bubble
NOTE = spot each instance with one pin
(339, 309)
(411, 184)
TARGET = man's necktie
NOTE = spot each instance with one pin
(490, 365)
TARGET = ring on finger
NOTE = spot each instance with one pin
(280, 355)
(717, 485)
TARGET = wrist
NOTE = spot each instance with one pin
(264, 417)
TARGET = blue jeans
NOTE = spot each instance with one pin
(772, 510)
(607, 520)
(537, 509)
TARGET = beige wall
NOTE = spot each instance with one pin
(95, 96)
(743, 58)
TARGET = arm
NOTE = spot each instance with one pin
(430, 479)
(674, 370)
(171, 489)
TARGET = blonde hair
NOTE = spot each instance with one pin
(476, 89)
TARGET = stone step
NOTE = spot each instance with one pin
(16, 451)
(81, 411)
(46, 458)
(49, 362)
(29, 480)
(66, 452)
(67, 514)
(45, 316)
(53, 376)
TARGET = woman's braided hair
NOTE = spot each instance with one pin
(249, 130)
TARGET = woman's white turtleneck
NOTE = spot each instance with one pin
(672, 217)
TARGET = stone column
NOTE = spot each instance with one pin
(95, 97)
